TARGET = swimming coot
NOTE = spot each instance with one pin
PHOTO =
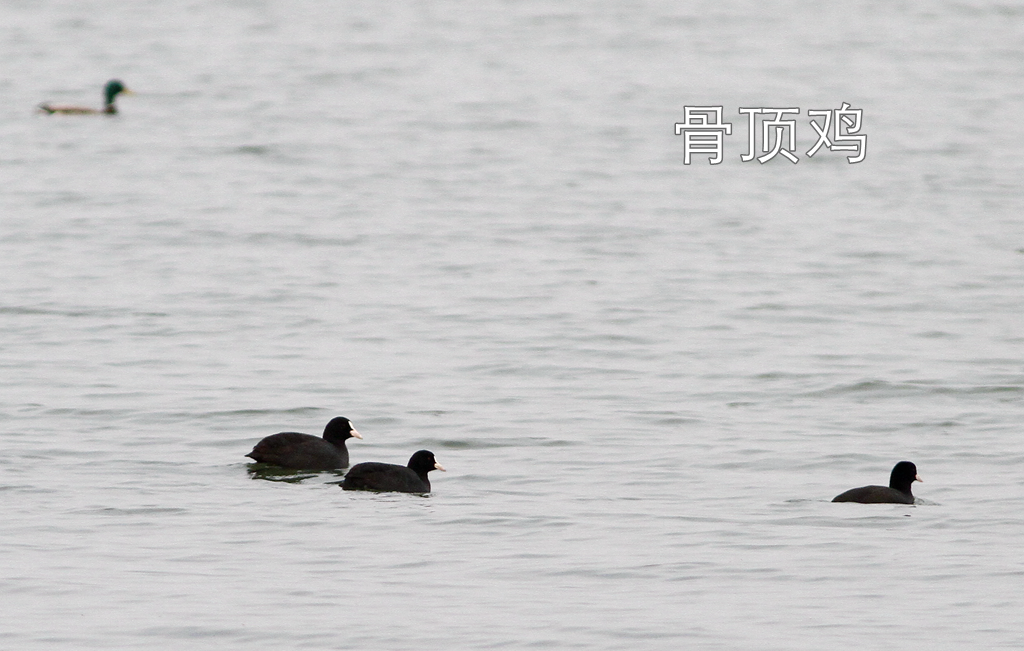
(373, 476)
(306, 452)
(903, 475)
(113, 88)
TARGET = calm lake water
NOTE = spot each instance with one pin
(469, 228)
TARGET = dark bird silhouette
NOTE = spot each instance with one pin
(903, 475)
(374, 476)
(305, 451)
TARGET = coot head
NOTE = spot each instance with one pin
(339, 430)
(903, 475)
(423, 462)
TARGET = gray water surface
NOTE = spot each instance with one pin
(468, 227)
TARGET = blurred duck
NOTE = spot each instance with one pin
(113, 88)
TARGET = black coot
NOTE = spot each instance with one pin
(306, 452)
(903, 475)
(374, 476)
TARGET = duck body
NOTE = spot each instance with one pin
(113, 88)
(75, 110)
(375, 476)
(898, 491)
(298, 451)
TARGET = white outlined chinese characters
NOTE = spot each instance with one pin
(846, 137)
(776, 127)
(703, 131)
(847, 124)
(822, 131)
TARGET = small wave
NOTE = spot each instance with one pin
(884, 388)
(292, 411)
(484, 444)
(102, 312)
(142, 510)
